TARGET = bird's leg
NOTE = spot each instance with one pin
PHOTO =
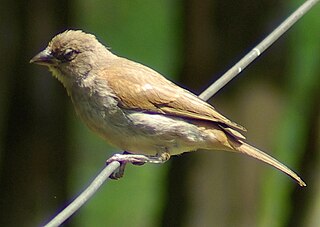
(135, 159)
(139, 159)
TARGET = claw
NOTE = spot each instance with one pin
(135, 159)
(118, 173)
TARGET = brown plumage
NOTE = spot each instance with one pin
(157, 94)
(137, 109)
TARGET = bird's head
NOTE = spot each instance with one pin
(72, 54)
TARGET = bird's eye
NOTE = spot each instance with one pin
(69, 54)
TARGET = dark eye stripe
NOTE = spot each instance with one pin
(65, 56)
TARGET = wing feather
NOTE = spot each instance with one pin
(150, 91)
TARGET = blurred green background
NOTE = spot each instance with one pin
(47, 156)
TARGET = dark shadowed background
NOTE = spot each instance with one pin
(47, 156)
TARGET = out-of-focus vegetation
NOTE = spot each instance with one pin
(47, 156)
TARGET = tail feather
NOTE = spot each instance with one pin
(255, 153)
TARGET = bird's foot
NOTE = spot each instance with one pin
(135, 159)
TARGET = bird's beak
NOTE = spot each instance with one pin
(44, 58)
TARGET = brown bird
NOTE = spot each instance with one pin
(138, 110)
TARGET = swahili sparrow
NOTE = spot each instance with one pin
(138, 110)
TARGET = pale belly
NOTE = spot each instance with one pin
(138, 132)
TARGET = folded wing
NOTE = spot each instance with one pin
(151, 92)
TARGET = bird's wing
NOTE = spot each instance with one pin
(151, 92)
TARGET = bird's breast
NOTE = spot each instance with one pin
(134, 131)
(99, 113)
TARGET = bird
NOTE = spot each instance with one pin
(136, 109)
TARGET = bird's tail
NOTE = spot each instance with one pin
(255, 153)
